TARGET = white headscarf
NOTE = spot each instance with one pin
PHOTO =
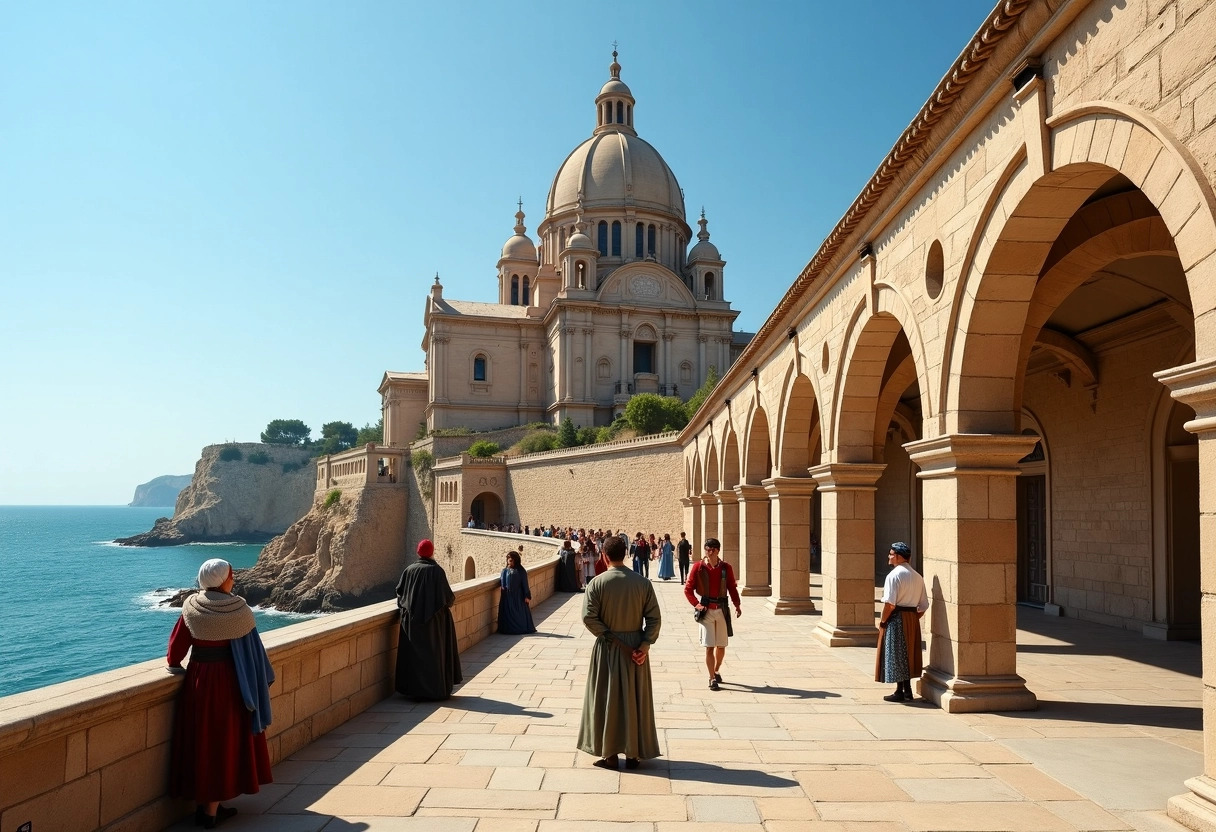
(213, 573)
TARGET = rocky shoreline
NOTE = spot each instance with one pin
(165, 532)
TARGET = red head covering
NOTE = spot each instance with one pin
(426, 549)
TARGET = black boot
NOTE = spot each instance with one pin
(907, 688)
(898, 696)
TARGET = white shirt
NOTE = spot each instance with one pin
(905, 588)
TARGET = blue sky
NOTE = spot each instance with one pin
(214, 215)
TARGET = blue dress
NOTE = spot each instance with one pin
(514, 616)
(667, 569)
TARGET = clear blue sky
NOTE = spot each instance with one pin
(217, 214)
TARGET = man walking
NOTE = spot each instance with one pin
(904, 601)
(684, 551)
(709, 583)
(620, 609)
(428, 658)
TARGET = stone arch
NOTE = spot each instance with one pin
(712, 475)
(1015, 236)
(798, 427)
(696, 480)
(757, 449)
(730, 460)
(470, 568)
(867, 373)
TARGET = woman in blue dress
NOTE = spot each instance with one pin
(514, 610)
(667, 569)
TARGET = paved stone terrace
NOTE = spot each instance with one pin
(798, 739)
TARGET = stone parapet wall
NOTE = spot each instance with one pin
(486, 553)
(93, 753)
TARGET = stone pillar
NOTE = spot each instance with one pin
(523, 373)
(692, 512)
(690, 520)
(970, 563)
(790, 551)
(701, 368)
(847, 545)
(668, 337)
(566, 356)
(588, 390)
(728, 528)
(709, 517)
(441, 361)
(626, 371)
(1195, 385)
(753, 540)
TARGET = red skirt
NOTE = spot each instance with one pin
(215, 755)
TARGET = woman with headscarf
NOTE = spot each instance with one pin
(428, 655)
(514, 610)
(219, 740)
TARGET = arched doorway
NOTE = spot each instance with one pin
(1033, 491)
(486, 509)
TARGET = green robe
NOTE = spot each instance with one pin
(618, 704)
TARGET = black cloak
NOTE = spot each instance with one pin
(428, 659)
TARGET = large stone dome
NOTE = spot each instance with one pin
(615, 168)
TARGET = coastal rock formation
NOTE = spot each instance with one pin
(240, 492)
(161, 491)
(347, 551)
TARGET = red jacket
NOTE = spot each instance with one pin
(708, 582)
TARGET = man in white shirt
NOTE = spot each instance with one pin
(904, 601)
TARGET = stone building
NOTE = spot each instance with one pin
(1005, 352)
(611, 302)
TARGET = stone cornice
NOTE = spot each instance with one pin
(976, 454)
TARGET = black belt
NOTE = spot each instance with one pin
(203, 653)
(705, 602)
(906, 609)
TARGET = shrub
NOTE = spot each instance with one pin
(231, 454)
(567, 436)
(588, 436)
(292, 467)
(539, 426)
(698, 398)
(259, 458)
(452, 432)
(541, 440)
(332, 498)
(651, 413)
(483, 449)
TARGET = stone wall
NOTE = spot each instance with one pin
(484, 553)
(93, 753)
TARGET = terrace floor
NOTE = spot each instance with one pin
(797, 739)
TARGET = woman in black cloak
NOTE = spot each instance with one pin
(514, 612)
(428, 658)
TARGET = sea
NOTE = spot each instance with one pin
(73, 602)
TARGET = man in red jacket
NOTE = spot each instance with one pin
(709, 583)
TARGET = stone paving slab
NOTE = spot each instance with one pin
(798, 740)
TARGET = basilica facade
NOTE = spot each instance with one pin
(612, 301)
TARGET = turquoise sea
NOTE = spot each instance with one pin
(73, 603)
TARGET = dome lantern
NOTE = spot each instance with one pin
(614, 104)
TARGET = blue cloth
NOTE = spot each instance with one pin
(667, 569)
(514, 616)
(254, 675)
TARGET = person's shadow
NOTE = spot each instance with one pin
(699, 772)
(792, 693)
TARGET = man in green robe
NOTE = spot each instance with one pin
(621, 611)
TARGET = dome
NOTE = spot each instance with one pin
(614, 169)
(704, 250)
(615, 86)
(519, 246)
(579, 240)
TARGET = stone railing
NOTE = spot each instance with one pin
(599, 447)
(371, 464)
(93, 753)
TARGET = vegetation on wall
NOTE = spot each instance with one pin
(423, 462)
(484, 449)
(231, 454)
(698, 398)
(332, 498)
(649, 413)
(258, 458)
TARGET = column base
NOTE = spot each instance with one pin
(1196, 810)
(791, 606)
(756, 590)
(976, 694)
(837, 636)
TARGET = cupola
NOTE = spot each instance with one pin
(614, 104)
(517, 266)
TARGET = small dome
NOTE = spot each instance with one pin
(704, 249)
(615, 86)
(579, 240)
(519, 246)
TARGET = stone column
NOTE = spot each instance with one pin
(970, 563)
(668, 337)
(847, 545)
(790, 536)
(692, 513)
(440, 368)
(728, 528)
(701, 368)
(588, 390)
(566, 355)
(753, 540)
(626, 371)
(1195, 385)
(709, 516)
(523, 373)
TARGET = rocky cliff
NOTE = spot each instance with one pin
(161, 491)
(347, 551)
(240, 492)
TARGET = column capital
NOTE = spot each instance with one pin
(979, 454)
(709, 498)
(747, 493)
(1194, 385)
(847, 476)
(789, 486)
(690, 502)
(726, 496)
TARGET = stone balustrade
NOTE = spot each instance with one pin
(93, 753)
(371, 464)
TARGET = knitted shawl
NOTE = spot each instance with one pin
(212, 615)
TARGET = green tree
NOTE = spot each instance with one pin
(286, 432)
(651, 413)
(371, 433)
(336, 437)
(588, 436)
(482, 448)
(699, 397)
(567, 436)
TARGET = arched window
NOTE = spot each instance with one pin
(640, 242)
(616, 239)
(514, 290)
(479, 368)
(580, 276)
(709, 286)
(620, 113)
(629, 114)
(650, 249)
(603, 238)
(470, 569)
(527, 293)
